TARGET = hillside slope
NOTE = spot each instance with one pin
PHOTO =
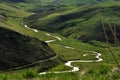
(73, 2)
(70, 2)
(62, 2)
(50, 4)
(18, 50)
(81, 23)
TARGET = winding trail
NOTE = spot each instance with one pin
(49, 41)
(58, 38)
(66, 46)
(26, 26)
(69, 63)
(74, 68)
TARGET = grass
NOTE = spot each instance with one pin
(92, 71)
(68, 54)
(11, 11)
(13, 23)
(71, 2)
(82, 23)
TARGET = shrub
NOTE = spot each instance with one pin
(30, 74)
(5, 77)
(104, 69)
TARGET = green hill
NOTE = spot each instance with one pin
(39, 4)
(18, 50)
(73, 2)
(81, 23)
(13, 12)
(70, 2)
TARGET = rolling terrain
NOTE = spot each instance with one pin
(59, 40)
(81, 23)
(18, 49)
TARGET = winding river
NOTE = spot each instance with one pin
(74, 68)
(69, 63)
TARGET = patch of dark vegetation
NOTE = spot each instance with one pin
(19, 50)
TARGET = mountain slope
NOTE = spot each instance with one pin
(18, 50)
(39, 4)
(81, 23)
(13, 0)
(13, 12)
(82, 2)
(72, 2)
